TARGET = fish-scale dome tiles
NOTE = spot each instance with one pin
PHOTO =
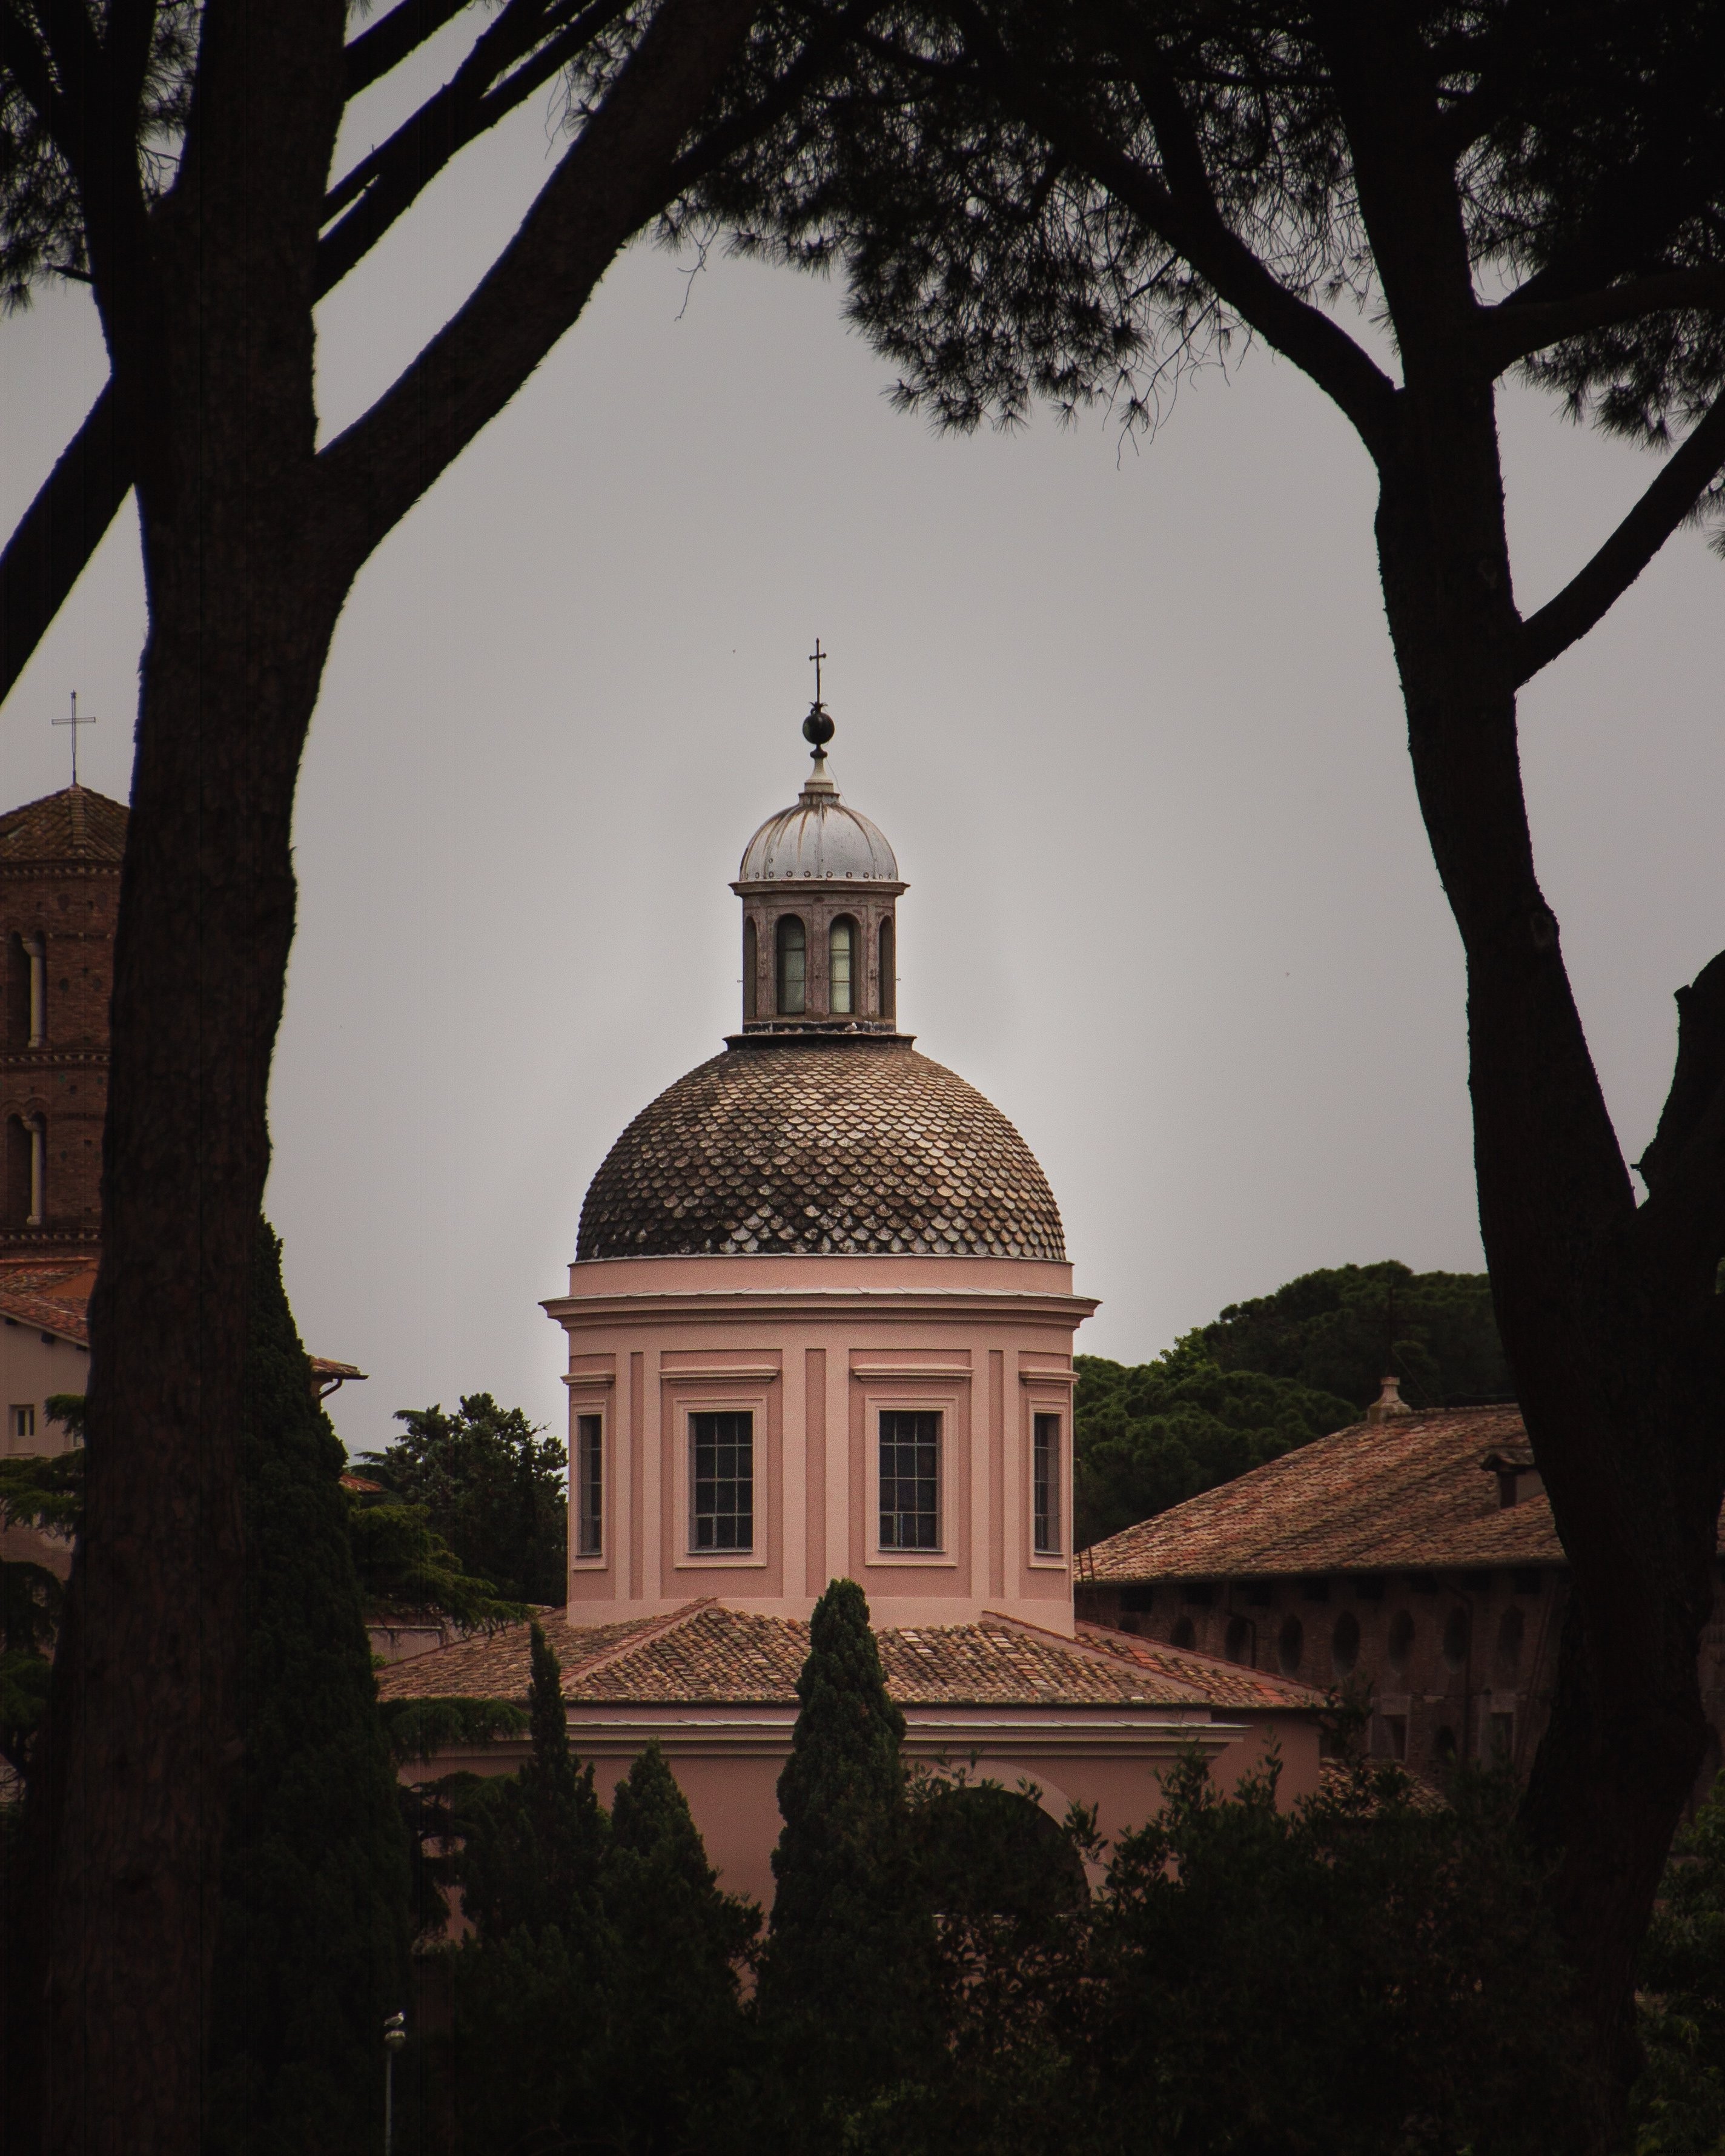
(849, 1147)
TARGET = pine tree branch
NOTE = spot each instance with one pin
(1185, 216)
(1681, 1227)
(1514, 330)
(613, 178)
(380, 50)
(1592, 591)
(57, 533)
(387, 182)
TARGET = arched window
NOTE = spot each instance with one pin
(889, 984)
(1455, 1637)
(1290, 1645)
(841, 968)
(750, 959)
(36, 954)
(1344, 1644)
(1239, 1639)
(1401, 1641)
(792, 966)
(39, 1170)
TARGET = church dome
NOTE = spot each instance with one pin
(802, 1146)
(817, 836)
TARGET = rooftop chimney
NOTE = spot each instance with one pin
(1390, 1401)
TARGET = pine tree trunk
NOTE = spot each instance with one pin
(141, 1751)
(1621, 1397)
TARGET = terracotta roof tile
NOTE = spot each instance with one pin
(51, 1296)
(1409, 1493)
(72, 825)
(853, 1145)
(1225, 1684)
(703, 1654)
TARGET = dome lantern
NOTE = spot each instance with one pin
(820, 885)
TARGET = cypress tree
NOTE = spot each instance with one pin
(312, 1951)
(533, 1857)
(845, 1991)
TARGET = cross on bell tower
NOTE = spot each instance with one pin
(75, 719)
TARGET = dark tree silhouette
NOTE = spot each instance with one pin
(845, 1993)
(1077, 199)
(179, 156)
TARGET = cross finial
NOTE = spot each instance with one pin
(75, 719)
(817, 726)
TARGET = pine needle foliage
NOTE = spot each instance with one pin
(312, 1951)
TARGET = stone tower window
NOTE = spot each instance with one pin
(36, 952)
(889, 984)
(841, 963)
(751, 961)
(792, 966)
(39, 1170)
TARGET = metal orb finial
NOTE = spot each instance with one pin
(817, 726)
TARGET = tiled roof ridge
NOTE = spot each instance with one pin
(74, 823)
(1126, 1646)
(1068, 1641)
(1301, 1461)
(647, 1633)
(45, 1313)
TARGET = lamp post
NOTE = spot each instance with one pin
(395, 2035)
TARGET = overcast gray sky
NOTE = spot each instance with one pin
(1127, 712)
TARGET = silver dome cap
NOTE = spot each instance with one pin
(817, 836)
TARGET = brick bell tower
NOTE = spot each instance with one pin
(59, 899)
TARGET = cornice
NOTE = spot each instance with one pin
(44, 1059)
(33, 871)
(727, 1731)
(668, 1308)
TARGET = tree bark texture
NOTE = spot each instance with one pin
(251, 540)
(141, 1744)
(1616, 1366)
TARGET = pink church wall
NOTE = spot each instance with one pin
(728, 1762)
(815, 1347)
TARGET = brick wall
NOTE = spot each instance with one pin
(73, 907)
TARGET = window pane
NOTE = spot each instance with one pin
(841, 948)
(910, 1480)
(589, 1484)
(792, 962)
(723, 1481)
(1045, 1483)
